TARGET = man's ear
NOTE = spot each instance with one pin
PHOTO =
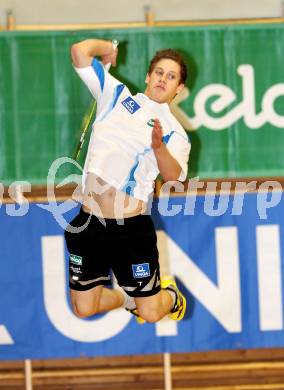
(147, 78)
(180, 88)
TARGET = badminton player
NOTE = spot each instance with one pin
(134, 138)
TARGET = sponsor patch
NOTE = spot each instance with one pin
(76, 259)
(141, 270)
(130, 105)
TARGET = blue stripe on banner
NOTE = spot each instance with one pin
(98, 68)
(131, 181)
(241, 265)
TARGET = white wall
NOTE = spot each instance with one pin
(96, 11)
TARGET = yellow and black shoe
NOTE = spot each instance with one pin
(178, 311)
(139, 319)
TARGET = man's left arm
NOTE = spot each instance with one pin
(168, 166)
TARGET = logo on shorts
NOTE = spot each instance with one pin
(76, 259)
(130, 105)
(141, 270)
(76, 270)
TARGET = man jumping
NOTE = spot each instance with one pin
(134, 138)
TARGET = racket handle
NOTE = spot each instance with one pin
(115, 43)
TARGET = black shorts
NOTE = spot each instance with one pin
(128, 249)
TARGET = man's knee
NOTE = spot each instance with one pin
(150, 314)
(150, 308)
(82, 310)
(85, 304)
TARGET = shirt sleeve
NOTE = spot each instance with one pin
(179, 146)
(100, 83)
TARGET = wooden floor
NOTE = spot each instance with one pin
(222, 370)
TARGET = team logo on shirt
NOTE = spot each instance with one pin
(141, 270)
(130, 104)
(151, 122)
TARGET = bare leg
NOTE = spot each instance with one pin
(95, 300)
(155, 307)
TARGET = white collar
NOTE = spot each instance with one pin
(164, 106)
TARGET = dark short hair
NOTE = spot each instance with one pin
(171, 55)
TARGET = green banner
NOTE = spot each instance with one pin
(233, 106)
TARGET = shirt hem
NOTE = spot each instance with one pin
(114, 184)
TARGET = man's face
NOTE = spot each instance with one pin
(164, 81)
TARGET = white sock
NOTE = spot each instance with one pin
(128, 302)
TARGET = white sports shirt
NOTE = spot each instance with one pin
(120, 149)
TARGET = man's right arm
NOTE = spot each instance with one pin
(83, 52)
